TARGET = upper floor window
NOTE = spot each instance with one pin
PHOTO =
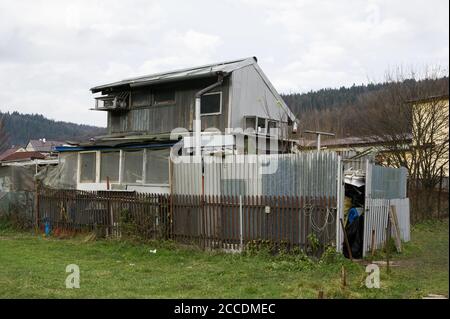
(273, 126)
(165, 96)
(261, 128)
(211, 103)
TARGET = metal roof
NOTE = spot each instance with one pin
(181, 74)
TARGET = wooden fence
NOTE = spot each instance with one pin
(224, 222)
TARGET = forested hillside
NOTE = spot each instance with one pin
(340, 110)
(20, 128)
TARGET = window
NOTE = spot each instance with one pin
(272, 126)
(261, 125)
(250, 123)
(133, 162)
(157, 166)
(88, 167)
(109, 166)
(211, 103)
(165, 96)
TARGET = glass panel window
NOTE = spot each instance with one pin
(157, 167)
(132, 166)
(272, 126)
(261, 125)
(250, 123)
(211, 103)
(109, 166)
(87, 167)
(165, 96)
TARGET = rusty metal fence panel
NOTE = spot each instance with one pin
(105, 212)
(231, 222)
(213, 221)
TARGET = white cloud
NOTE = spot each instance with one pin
(52, 52)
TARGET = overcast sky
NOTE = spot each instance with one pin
(52, 52)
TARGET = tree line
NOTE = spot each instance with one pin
(17, 129)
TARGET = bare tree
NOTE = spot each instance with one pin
(409, 119)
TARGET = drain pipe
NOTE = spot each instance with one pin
(197, 121)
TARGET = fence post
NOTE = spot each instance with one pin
(240, 223)
(440, 194)
(36, 206)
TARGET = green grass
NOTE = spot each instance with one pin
(32, 266)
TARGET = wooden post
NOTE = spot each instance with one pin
(170, 210)
(394, 221)
(372, 246)
(440, 194)
(349, 250)
(320, 295)
(388, 237)
(343, 277)
(36, 205)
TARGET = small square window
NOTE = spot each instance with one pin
(273, 125)
(211, 103)
(166, 96)
(250, 123)
(261, 125)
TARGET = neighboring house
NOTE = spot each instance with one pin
(10, 151)
(23, 156)
(354, 146)
(431, 116)
(43, 146)
(143, 111)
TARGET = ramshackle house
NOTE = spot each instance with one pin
(142, 113)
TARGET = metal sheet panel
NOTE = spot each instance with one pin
(387, 182)
(376, 218)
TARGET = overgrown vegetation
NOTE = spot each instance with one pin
(34, 266)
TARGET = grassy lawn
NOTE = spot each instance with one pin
(32, 266)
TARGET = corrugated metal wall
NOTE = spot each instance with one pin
(386, 182)
(305, 174)
(376, 218)
(308, 174)
(187, 177)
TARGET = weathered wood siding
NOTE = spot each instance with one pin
(145, 116)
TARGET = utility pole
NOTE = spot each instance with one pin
(318, 135)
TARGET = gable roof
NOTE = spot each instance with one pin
(44, 146)
(198, 72)
(181, 74)
(20, 156)
(8, 152)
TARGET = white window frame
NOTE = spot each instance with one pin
(122, 167)
(97, 167)
(100, 163)
(220, 104)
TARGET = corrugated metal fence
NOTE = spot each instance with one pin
(305, 174)
(376, 221)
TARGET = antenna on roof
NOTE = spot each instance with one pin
(318, 134)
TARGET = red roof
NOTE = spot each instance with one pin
(8, 152)
(18, 156)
